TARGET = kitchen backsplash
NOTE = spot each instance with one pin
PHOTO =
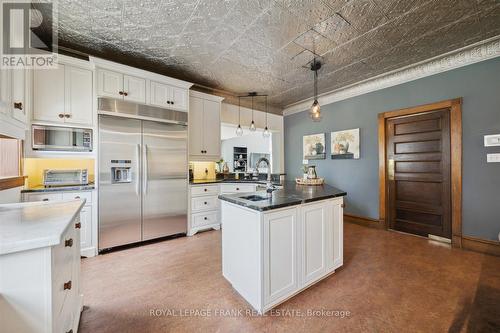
(203, 170)
(34, 167)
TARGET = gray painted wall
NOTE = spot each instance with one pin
(478, 84)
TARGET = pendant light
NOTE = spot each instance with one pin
(315, 112)
(266, 132)
(252, 124)
(239, 130)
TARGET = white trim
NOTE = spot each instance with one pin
(209, 97)
(76, 62)
(139, 72)
(484, 50)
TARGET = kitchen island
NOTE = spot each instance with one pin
(273, 247)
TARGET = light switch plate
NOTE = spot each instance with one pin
(305, 162)
(493, 158)
(492, 140)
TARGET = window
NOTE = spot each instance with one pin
(10, 163)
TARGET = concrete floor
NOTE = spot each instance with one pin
(390, 282)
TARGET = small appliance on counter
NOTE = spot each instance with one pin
(70, 177)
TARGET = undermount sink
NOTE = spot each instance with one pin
(254, 197)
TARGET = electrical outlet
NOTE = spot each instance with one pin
(493, 158)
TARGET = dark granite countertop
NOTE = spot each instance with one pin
(231, 179)
(291, 194)
(41, 188)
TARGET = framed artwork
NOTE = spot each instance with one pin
(345, 144)
(313, 147)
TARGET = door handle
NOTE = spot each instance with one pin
(390, 169)
(138, 154)
(145, 166)
(18, 105)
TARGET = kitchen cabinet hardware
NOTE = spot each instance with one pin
(61, 115)
(237, 189)
(205, 218)
(121, 93)
(78, 225)
(70, 331)
(206, 203)
(68, 242)
(45, 199)
(67, 285)
(67, 115)
(125, 94)
(343, 205)
(77, 197)
(205, 190)
(18, 105)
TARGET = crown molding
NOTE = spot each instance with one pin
(484, 50)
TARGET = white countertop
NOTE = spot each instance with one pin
(31, 225)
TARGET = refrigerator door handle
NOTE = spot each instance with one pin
(145, 166)
(138, 152)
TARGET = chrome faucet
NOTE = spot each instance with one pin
(269, 185)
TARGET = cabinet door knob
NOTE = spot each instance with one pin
(237, 189)
(343, 205)
(77, 197)
(61, 115)
(18, 105)
(120, 92)
(67, 285)
(172, 102)
(78, 225)
(68, 242)
(205, 202)
(125, 94)
(205, 189)
(67, 115)
(45, 199)
(205, 218)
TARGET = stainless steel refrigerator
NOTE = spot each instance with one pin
(142, 180)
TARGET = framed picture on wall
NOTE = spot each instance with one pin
(313, 147)
(345, 144)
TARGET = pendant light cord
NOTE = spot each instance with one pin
(315, 80)
(266, 111)
(252, 109)
(239, 111)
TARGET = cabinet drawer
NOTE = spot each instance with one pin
(201, 219)
(63, 256)
(204, 190)
(236, 188)
(204, 203)
(78, 195)
(42, 197)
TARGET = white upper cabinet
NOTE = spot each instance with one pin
(211, 123)
(136, 85)
(204, 127)
(48, 94)
(164, 95)
(179, 99)
(109, 84)
(78, 96)
(63, 95)
(134, 89)
(19, 79)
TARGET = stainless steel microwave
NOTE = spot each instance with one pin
(56, 138)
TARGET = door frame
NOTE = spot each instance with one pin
(454, 107)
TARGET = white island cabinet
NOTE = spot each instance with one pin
(271, 255)
(40, 267)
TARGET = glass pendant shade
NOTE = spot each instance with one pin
(252, 126)
(266, 133)
(239, 131)
(315, 108)
(315, 112)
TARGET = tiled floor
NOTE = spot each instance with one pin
(390, 282)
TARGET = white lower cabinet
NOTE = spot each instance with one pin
(88, 230)
(45, 284)
(203, 208)
(280, 254)
(272, 255)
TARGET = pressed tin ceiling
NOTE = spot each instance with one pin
(263, 45)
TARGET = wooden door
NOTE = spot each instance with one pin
(418, 173)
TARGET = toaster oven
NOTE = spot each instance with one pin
(53, 177)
